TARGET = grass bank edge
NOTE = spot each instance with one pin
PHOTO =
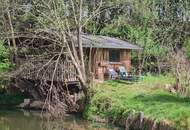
(113, 100)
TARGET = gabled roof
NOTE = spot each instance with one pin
(98, 41)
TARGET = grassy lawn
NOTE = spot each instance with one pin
(116, 99)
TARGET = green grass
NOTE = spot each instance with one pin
(115, 99)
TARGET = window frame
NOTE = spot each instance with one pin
(114, 55)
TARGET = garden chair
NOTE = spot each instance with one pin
(111, 73)
(123, 74)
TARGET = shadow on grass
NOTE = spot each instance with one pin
(115, 83)
(162, 98)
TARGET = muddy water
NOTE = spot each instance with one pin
(25, 120)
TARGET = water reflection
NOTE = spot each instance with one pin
(24, 120)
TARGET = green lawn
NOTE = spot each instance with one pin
(117, 98)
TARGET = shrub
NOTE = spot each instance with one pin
(4, 57)
(5, 65)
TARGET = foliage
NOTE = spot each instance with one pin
(4, 58)
(187, 48)
(142, 36)
(5, 65)
(157, 26)
(118, 98)
(10, 100)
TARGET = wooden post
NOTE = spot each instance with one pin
(100, 73)
(125, 58)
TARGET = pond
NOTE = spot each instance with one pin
(25, 120)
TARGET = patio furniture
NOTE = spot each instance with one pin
(111, 74)
(123, 74)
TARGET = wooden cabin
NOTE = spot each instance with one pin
(108, 52)
(104, 52)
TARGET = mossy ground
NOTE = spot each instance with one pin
(116, 99)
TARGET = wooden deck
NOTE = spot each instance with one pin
(41, 70)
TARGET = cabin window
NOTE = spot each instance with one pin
(114, 55)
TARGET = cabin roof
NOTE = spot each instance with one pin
(98, 41)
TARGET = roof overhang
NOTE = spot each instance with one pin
(98, 41)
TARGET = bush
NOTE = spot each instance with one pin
(4, 57)
(5, 65)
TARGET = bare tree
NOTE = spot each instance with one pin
(180, 67)
(59, 23)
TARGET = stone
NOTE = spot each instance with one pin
(37, 105)
(25, 104)
(27, 101)
(33, 105)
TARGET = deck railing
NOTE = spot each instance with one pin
(42, 70)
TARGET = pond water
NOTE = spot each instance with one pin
(25, 120)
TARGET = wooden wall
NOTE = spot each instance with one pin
(101, 61)
(125, 59)
(102, 55)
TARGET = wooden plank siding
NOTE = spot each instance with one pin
(125, 59)
(101, 61)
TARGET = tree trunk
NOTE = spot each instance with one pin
(158, 65)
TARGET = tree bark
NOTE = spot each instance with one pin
(12, 32)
